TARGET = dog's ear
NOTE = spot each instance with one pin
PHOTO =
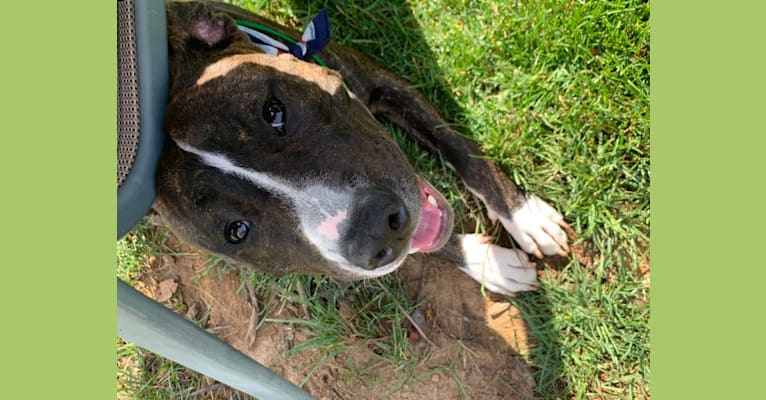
(194, 26)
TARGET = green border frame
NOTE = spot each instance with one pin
(708, 88)
(58, 171)
(57, 168)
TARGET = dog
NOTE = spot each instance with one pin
(279, 164)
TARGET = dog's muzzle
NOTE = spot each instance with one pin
(383, 230)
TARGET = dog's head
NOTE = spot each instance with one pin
(271, 162)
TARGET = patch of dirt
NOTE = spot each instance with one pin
(476, 340)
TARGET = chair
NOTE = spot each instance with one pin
(142, 96)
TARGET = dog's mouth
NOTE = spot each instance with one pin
(435, 220)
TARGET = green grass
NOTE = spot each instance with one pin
(150, 377)
(134, 250)
(368, 312)
(556, 92)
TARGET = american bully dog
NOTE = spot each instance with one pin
(277, 163)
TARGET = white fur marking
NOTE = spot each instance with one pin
(264, 181)
(501, 270)
(536, 226)
(314, 205)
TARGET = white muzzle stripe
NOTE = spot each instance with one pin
(320, 210)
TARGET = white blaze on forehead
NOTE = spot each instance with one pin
(320, 210)
(327, 80)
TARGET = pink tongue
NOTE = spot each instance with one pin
(431, 221)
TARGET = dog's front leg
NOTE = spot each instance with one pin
(500, 270)
(534, 224)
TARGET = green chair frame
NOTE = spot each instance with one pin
(143, 87)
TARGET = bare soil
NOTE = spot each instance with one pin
(475, 340)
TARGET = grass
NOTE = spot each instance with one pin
(143, 375)
(369, 312)
(133, 252)
(556, 92)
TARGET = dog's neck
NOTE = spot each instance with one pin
(315, 37)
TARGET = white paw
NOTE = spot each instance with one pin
(536, 227)
(500, 270)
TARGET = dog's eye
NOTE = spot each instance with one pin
(237, 231)
(275, 114)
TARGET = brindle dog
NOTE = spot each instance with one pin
(280, 164)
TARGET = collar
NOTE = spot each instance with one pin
(314, 39)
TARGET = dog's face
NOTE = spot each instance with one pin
(273, 163)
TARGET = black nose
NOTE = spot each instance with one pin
(379, 228)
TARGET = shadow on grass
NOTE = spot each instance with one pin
(389, 33)
(545, 351)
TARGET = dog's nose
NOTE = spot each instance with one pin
(379, 228)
